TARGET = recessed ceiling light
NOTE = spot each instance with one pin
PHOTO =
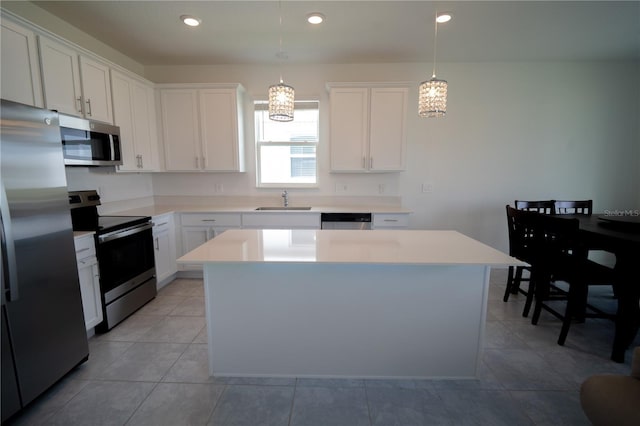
(315, 18)
(444, 17)
(191, 21)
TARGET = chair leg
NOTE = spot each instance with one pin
(507, 291)
(517, 280)
(530, 295)
(573, 303)
(541, 294)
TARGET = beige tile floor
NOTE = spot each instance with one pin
(152, 370)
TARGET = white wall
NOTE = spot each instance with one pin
(513, 130)
(117, 191)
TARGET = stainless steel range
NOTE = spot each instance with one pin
(124, 246)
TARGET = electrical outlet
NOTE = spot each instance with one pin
(342, 187)
(427, 187)
(219, 188)
(381, 188)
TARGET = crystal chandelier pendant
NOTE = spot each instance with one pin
(432, 98)
(281, 102)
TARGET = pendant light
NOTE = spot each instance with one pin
(432, 94)
(281, 96)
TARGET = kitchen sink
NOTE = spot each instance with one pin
(283, 208)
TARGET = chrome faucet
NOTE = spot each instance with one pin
(285, 195)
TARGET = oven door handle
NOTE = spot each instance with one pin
(121, 233)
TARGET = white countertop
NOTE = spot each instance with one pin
(347, 246)
(157, 210)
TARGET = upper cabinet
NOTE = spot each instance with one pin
(74, 84)
(19, 66)
(134, 112)
(368, 128)
(202, 128)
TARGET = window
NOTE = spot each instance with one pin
(286, 151)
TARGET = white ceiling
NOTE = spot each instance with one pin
(248, 32)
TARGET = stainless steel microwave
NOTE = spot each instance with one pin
(89, 143)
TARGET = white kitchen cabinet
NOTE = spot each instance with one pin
(134, 112)
(202, 128)
(283, 220)
(390, 221)
(198, 228)
(89, 280)
(368, 128)
(164, 245)
(19, 66)
(74, 84)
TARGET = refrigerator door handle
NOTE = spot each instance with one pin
(9, 265)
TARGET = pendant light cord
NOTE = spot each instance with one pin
(280, 48)
(435, 45)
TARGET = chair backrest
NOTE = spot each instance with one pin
(540, 206)
(521, 224)
(574, 207)
(540, 239)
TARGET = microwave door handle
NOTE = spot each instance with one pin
(9, 267)
(112, 148)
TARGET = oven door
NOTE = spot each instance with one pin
(126, 260)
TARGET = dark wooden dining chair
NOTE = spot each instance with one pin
(573, 207)
(516, 275)
(557, 255)
(540, 206)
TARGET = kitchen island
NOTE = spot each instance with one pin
(340, 303)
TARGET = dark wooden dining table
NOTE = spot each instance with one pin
(619, 235)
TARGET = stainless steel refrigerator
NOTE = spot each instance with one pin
(43, 331)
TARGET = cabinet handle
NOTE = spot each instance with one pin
(79, 101)
(197, 162)
(159, 224)
(204, 163)
(364, 162)
(89, 107)
(157, 244)
(141, 162)
(208, 220)
(371, 162)
(81, 250)
(390, 220)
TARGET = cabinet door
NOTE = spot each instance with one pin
(90, 291)
(219, 129)
(123, 117)
(144, 126)
(134, 113)
(194, 236)
(387, 132)
(162, 247)
(180, 128)
(96, 90)
(349, 132)
(164, 243)
(60, 77)
(19, 66)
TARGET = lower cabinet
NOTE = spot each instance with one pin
(89, 280)
(390, 221)
(289, 220)
(164, 246)
(198, 228)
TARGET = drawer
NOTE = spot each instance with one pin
(85, 246)
(210, 219)
(390, 220)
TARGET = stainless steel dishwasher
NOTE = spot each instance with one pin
(360, 221)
